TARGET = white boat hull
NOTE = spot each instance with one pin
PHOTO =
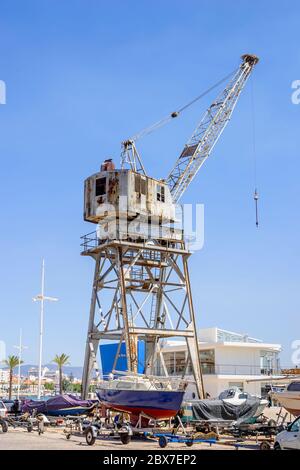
(290, 401)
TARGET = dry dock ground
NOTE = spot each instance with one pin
(20, 439)
(55, 439)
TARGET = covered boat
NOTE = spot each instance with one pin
(142, 396)
(236, 397)
(60, 405)
(231, 405)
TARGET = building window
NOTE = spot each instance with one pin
(175, 362)
(207, 358)
(100, 186)
(269, 362)
(140, 184)
(180, 361)
(160, 193)
(169, 359)
(228, 336)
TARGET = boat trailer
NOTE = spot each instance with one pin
(189, 440)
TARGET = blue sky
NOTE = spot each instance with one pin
(82, 76)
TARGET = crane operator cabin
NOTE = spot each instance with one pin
(127, 204)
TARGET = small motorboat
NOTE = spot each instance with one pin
(231, 405)
(235, 396)
(289, 398)
(60, 405)
(142, 396)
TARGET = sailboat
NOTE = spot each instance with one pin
(150, 397)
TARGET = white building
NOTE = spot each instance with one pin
(4, 375)
(228, 359)
(50, 375)
(33, 372)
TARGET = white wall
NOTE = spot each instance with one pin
(236, 357)
(215, 385)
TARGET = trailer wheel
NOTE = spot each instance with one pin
(29, 427)
(265, 445)
(89, 437)
(125, 438)
(4, 426)
(68, 436)
(277, 446)
(163, 442)
(189, 443)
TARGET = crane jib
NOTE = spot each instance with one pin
(208, 130)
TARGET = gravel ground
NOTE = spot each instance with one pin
(56, 440)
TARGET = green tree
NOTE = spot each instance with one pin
(49, 386)
(11, 362)
(66, 385)
(61, 361)
(76, 388)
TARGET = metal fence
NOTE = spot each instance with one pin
(231, 369)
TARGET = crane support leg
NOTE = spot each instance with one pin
(91, 345)
(141, 294)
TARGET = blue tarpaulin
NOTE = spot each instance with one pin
(109, 351)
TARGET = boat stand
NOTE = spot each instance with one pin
(125, 431)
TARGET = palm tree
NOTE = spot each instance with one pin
(61, 361)
(11, 362)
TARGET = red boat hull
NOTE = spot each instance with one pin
(155, 404)
(154, 413)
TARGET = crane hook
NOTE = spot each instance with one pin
(256, 197)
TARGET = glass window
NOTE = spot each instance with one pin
(170, 362)
(268, 361)
(140, 184)
(223, 395)
(207, 358)
(295, 427)
(175, 362)
(243, 396)
(143, 186)
(227, 394)
(180, 362)
(223, 335)
(160, 193)
(100, 186)
(137, 182)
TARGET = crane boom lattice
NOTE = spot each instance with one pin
(207, 133)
